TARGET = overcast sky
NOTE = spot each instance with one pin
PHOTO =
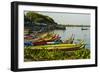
(69, 18)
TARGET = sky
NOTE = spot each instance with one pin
(68, 18)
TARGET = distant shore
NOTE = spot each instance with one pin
(71, 25)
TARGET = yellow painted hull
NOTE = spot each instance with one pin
(58, 46)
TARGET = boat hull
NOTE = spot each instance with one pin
(68, 47)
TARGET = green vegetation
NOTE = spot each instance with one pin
(38, 18)
(34, 20)
(45, 55)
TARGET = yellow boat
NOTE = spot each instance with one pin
(46, 38)
(59, 46)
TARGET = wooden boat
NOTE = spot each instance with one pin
(59, 47)
(46, 43)
(39, 43)
(45, 35)
(28, 43)
(43, 41)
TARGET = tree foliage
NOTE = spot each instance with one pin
(38, 18)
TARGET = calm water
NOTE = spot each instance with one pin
(77, 32)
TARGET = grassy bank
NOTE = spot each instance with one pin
(45, 55)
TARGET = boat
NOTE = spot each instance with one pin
(43, 41)
(28, 43)
(84, 28)
(46, 43)
(68, 47)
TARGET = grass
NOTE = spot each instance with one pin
(45, 55)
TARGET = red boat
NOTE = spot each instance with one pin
(40, 43)
(44, 41)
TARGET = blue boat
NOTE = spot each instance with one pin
(28, 43)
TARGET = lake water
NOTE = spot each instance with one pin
(77, 32)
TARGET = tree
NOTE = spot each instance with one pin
(38, 18)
